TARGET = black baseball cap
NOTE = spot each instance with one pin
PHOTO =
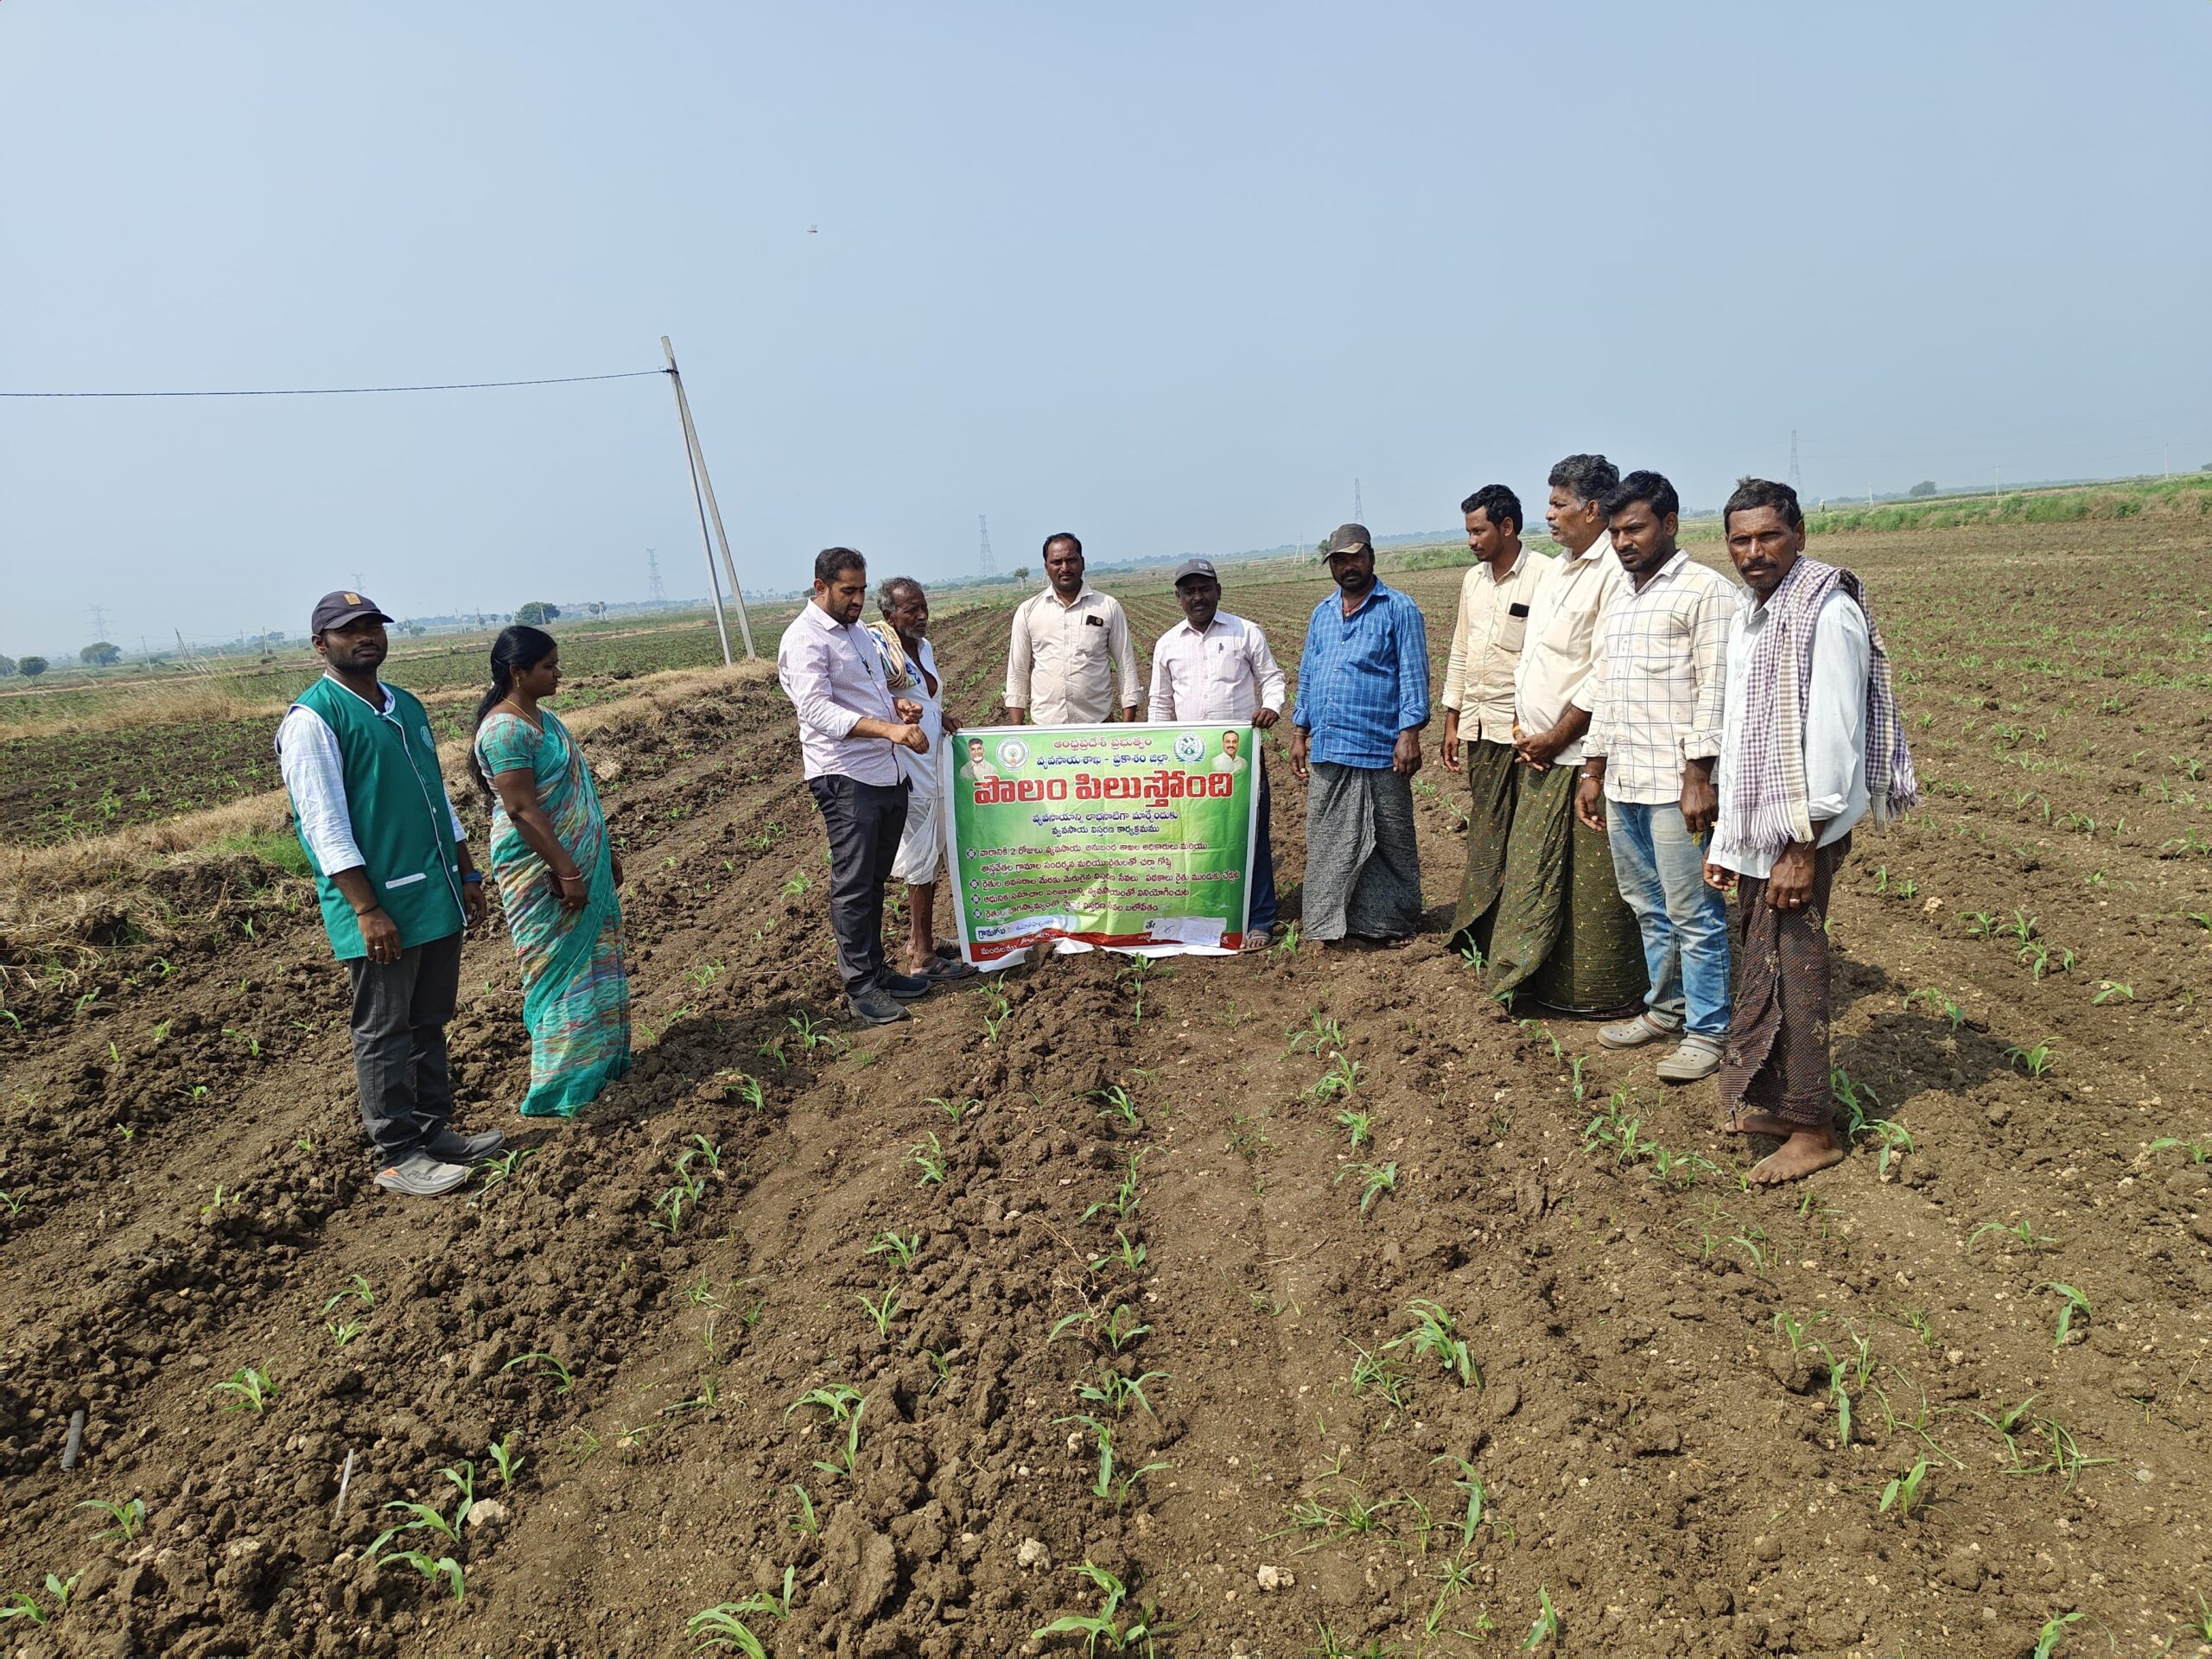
(336, 610)
(1348, 538)
(1191, 567)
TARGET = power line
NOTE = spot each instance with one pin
(342, 391)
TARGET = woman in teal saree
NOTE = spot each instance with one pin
(557, 874)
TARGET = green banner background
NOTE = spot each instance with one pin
(1116, 836)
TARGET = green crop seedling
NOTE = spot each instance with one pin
(2052, 1637)
(126, 1520)
(901, 1251)
(848, 1454)
(1477, 1496)
(1322, 1035)
(1903, 1492)
(1375, 1179)
(1546, 1629)
(249, 1388)
(505, 1459)
(841, 1399)
(928, 1157)
(1120, 1106)
(2073, 1302)
(882, 1311)
(546, 1365)
(1338, 1082)
(1433, 1336)
(1380, 1375)
(22, 1603)
(1358, 1126)
(2021, 1232)
(1115, 1391)
(1105, 1626)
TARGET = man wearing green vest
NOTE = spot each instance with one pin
(392, 870)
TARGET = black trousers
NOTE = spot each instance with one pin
(865, 822)
(400, 1011)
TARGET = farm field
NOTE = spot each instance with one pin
(889, 1333)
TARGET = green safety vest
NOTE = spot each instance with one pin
(395, 799)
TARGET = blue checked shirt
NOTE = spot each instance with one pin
(1363, 677)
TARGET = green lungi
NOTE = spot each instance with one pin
(1562, 929)
(1489, 818)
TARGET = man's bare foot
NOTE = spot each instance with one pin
(1805, 1151)
(1758, 1123)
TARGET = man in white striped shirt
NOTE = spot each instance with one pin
(1213, 666)
(1647, 772)
(850, 729)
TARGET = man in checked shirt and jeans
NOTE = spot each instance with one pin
(1647, 772)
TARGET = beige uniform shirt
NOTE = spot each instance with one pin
(1486, 644)
(1065, 659)
(1560, 654)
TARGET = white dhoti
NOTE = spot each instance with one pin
(921, 850)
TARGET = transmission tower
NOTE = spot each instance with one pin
(653, 577)
(99, 622)
(1796, 479)
(986, 564)
(1359, 509)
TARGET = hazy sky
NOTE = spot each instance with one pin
(1170, 275)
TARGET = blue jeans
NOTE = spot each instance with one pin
(1661, 869)
(1262, 912)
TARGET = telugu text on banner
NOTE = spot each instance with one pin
(1132, 837)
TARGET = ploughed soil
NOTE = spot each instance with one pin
(1141, 1184)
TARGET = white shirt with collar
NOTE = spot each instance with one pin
(1064, 659)
(1560, 655)
(1227, 674)
(833, 674)
(1487, 642)
(315, 775)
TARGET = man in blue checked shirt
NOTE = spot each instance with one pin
(1362, 699)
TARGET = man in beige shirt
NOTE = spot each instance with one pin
(1479, 685)
(1554, 865)
(1070, 644)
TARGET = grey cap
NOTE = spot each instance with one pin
(1196, 567)
(1348, 538)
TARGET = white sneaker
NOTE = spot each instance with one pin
(418, 1175)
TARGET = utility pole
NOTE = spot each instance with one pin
(986, 565)
(704, 489)
(1796, 479)
(1359, 509)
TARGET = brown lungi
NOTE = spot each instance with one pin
(1776, 1059)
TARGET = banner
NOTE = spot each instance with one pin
(1134, 837)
